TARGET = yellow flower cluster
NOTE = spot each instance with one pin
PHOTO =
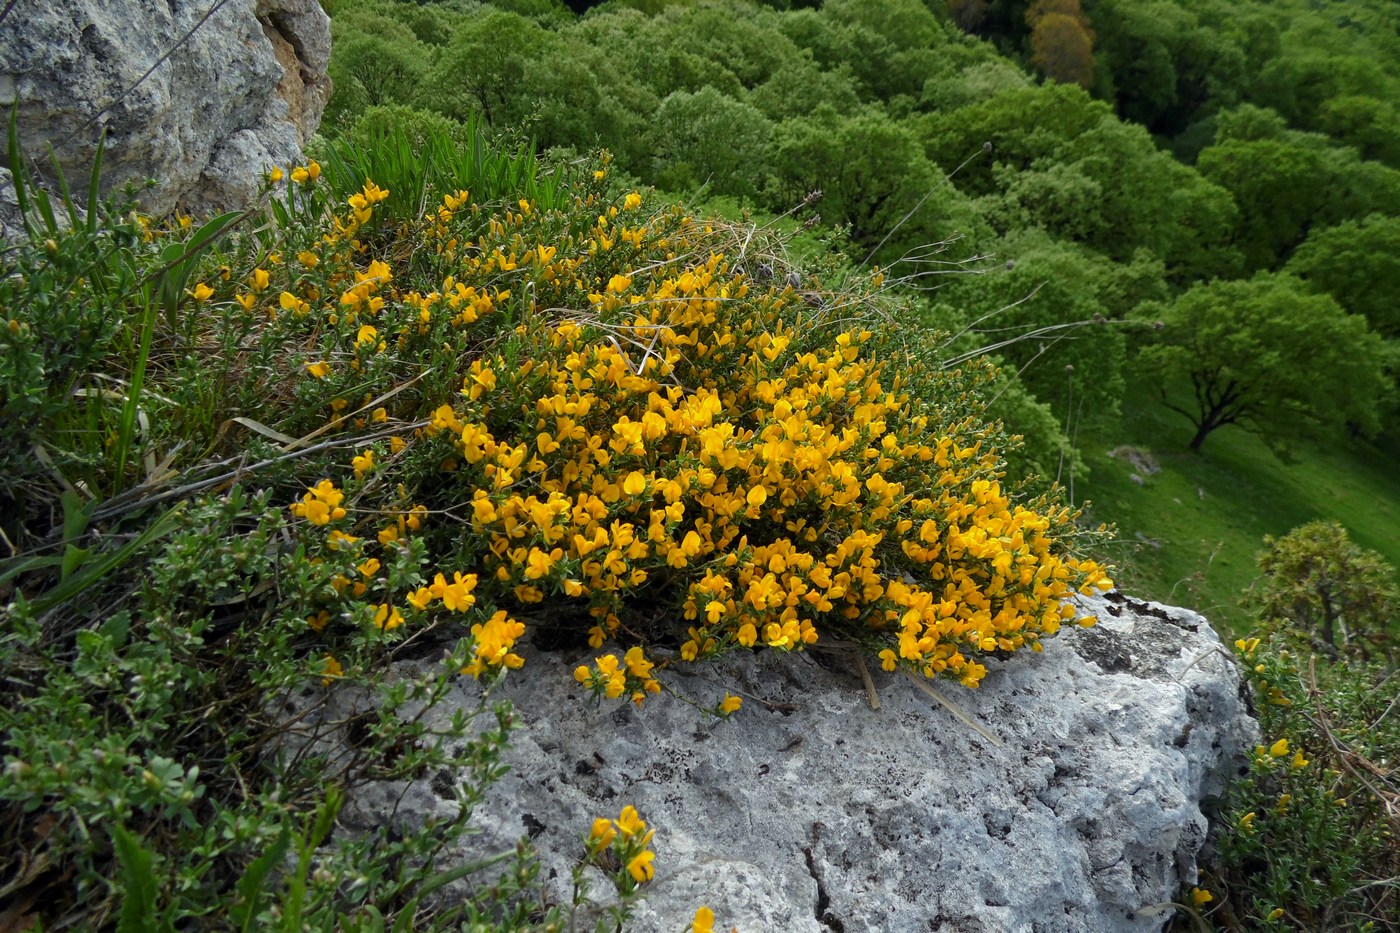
(665, 428)
(321, 504)
(769, 471)
(634, 676)
(1266, 756)
(629, 839)
(301, 174)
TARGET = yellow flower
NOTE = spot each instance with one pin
(1279, 748)
(456, 596)
(320, 370)
(599, 175)
(308, 259)
(538, 564)
(704, 921)
(632, 201)
(387, 617)
(332, 671)
(635, 484)
(757, 496)
(1276, 913)
(421, 598)
(300, 175)
(730, 704)
(367, 335)
(313, 168)
(259, 279)
(480, 381)
(202, 292)
(290, 302)
(1201, 896)
(629, 822)
(602, 834)
(1299, 762)
(618, 284)
(363, 464)
(338, 539)
(640, 866)
(275, 175)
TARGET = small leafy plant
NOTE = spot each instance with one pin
(1307, 836)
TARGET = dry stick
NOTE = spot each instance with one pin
(871, 696)
(243, 471)
(952, 708)
(987, 147)
(992, 314)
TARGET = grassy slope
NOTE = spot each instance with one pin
(1208, 513)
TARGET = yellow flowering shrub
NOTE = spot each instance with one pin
(612, 412)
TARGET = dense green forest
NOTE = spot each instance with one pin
(1192, 205)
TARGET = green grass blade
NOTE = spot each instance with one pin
(250, 886)
(94, 184)
(137, 873)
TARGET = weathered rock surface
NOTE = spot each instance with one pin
(203, 105)
(811, 812)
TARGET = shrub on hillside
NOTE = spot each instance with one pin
(366, 434)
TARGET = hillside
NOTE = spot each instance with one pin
(731, 365)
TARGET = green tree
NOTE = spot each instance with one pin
(1358, 263)
(707, 138)
(1062, 41)
(874, 180)
(1266, 355)
(1167, 64)
(801, 86)
(1064, 162)
(1052, 305)
(1257, 174)
(1369, 125)
(376, 61)
(891, 46)
(483, 67)
(1325, 185)
(1319, 583)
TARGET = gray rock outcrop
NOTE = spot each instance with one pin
(811, 812)
(201, 96)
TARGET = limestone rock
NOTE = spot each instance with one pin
(203, 102)
(811, 812)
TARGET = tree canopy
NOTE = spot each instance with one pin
(1266, 355)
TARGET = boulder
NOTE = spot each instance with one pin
(202, 97)
(811, 812)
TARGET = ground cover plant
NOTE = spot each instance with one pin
(1307, 836)
(262, 458)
